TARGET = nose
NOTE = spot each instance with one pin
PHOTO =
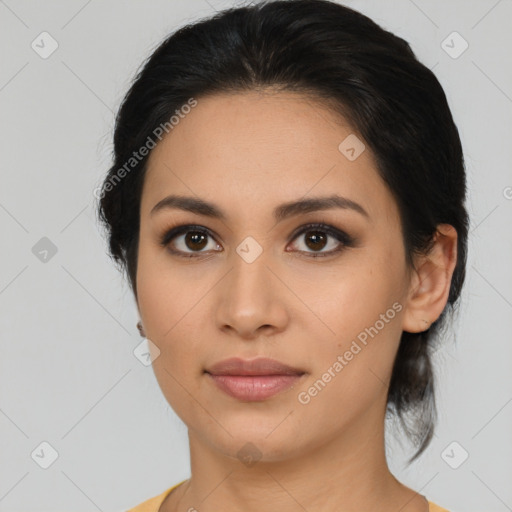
(251, 300)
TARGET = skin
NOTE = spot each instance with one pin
(247, 153)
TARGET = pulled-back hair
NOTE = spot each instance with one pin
(363, 72)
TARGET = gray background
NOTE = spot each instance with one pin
(67, 369)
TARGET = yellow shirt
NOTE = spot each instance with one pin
(153, 504)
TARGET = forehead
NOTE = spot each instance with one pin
(263, 148)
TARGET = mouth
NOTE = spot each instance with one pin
(253, 380)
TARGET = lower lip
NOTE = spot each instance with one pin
(253, 388)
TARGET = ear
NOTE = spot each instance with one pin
(431, 280)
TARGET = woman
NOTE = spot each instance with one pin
(288, 202)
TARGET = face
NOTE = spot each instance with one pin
(325, 299)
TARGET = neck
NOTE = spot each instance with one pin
(349, 473)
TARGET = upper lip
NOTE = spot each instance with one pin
(259, 366)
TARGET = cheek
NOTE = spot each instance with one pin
(361, 304)
(353, 298)
(168, 304)
(352, 367)
(166, 308)
(162, 299)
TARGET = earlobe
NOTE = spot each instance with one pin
(141, 329)
(430, 285)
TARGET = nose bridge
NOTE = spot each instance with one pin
(250, 298)
(250, 274)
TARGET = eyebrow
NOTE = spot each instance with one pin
(281, 212)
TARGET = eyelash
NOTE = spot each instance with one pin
(342, 237)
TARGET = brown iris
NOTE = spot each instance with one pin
(195, 240)
(318, 239)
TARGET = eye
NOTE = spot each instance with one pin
(187, 237)
(317, 237)
(190, 241)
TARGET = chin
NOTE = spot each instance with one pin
(255, 441)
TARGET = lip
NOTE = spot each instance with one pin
(253, 380)
(259, 366)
